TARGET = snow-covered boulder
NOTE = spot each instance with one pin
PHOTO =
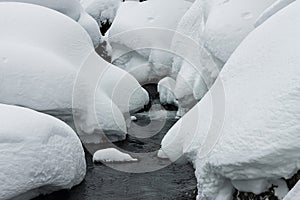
(39, 154)
(165, 89)
(73, 9)
(102, 11)
(112, 155)
(246, 127)
(206, 36)
(49, 66)
(140, 34)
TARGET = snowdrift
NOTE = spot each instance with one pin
(47, 67)
(73, 9)
(140, 35)
(244, 132)
(39, 154)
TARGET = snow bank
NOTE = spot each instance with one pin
(39, 154)
(139, 30)
(294, 193)
(42, 64)
(73, 9)
(250, 132)
(207, 35)
(102, 11)
(112, 155)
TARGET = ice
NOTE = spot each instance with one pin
(38, 154)
(47, 67)
(73, 9)
(112, 155)
(246, 127)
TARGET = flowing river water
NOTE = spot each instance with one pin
(172, 182)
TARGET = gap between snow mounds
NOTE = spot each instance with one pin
(143, 139)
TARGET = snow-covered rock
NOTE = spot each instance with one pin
(133, 118)
(102, 11)
(73, 9)
(141, 32)
(46, 67)
(206, 36)
(246, 127)
(112, 155)
(38, 154)
(294, 193)
(165, 89)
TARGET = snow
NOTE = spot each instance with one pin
(133, 118)
(229, 22)
(246, 127)
(112, 155)
(46, 67)
(141, 32)
(38, 154)
(256, 186)
(281, 188)
(73, 9)
(274, 8)
(294, 193)
(206, 36)
(101, 10)
(165, 89)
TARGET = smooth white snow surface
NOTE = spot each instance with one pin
(206, 36)
(139, 30)
(294, 193)
(102, 11)
(39, 154)
(42, 63)
(274, 8)
(73, 9)
(112, 155)
(252, 132)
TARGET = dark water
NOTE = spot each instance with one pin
(175, 181)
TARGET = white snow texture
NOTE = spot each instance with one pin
(38, 154)
(100, 89)
(251, 133)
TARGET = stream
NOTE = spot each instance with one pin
(173, 181)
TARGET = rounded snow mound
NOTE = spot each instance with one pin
(112, 155)
(252, 134)
(46, 67)
(72, 9)
(39, 154)
(207, 35)
(141, 36)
